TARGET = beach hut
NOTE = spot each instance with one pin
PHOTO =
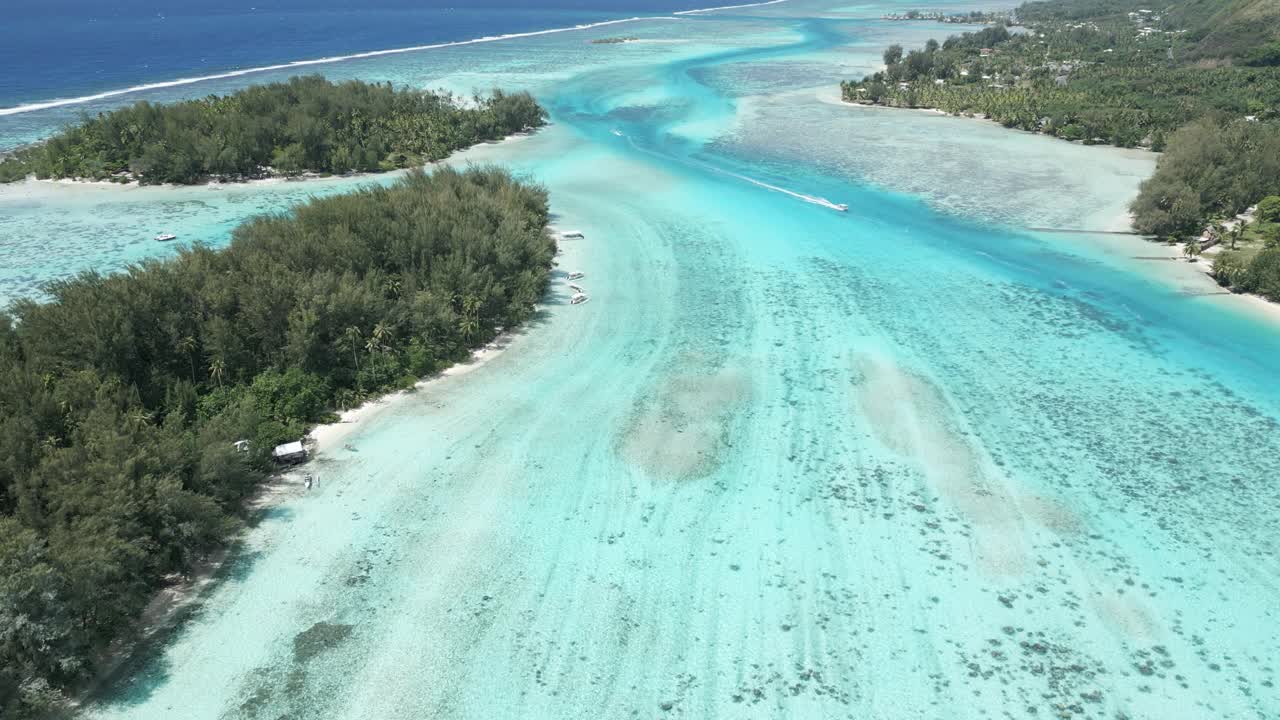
(290, 453)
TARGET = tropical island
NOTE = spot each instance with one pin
(1198, 82)
(139, 409)
(305, 125)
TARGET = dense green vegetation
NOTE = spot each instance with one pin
(121, 397)
(1096, 83)
(1251, 262)
(307, 124)
(1196, 79)
(1211, 167)
(1213, 28)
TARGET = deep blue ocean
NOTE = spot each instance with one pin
(68, 48)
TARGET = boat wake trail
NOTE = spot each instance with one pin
(839, 207)
(811, 199)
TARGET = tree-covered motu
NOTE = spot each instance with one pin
(306, 124)
(122, 397)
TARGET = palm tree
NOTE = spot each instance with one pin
(469, 325)
(351, 339)
(1192, 250)
(187, 346)
(218, 370)
(1237, 233)
(381, 334)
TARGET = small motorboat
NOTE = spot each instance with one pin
(841, 207)
(577, 275)
(618, 132)
(165, 237)
(572, 235)
(578, 299)
(575, 288)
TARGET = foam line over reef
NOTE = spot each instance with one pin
(33, 107)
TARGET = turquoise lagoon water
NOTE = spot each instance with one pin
(909, 461)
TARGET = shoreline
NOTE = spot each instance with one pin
(169, 607)
(1254, 305)
(327, 437)
(171, 604)
(329, 60)
(308, 177)
(167, 610)
(837, 99)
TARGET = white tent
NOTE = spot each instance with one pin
(290, 452)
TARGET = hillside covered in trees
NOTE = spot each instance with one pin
(122, 397)
(1198, 80)
(1213, 29)
(307, 124)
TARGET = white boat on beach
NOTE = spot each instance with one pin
(165, 237)
(577, 275)
(578, 299)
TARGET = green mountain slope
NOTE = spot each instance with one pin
(1226, 29)
(1233, 29)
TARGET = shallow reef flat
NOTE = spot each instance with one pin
(908, 460)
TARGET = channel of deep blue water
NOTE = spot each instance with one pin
(908, 460)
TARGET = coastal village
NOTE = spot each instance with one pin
(975, 17)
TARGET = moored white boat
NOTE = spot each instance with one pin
(572, 235)
(577, 275)
(165, 237)
(578, 299)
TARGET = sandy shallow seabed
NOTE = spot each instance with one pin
(912, 460)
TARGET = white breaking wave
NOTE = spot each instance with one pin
(32, 107)
(728, 7)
